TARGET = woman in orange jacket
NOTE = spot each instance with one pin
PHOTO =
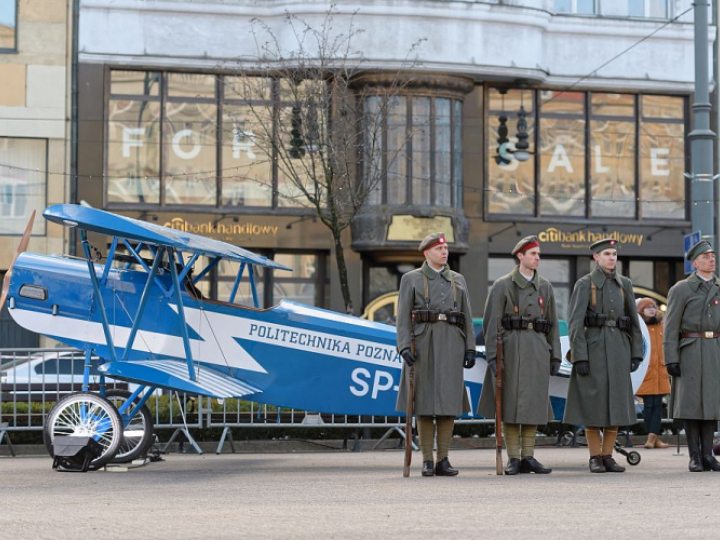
(657, 382)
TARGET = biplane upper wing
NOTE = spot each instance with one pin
(99, 221)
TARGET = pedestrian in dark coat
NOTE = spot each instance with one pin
(692, 355)
(521, 307)
(606, 345)
(434, 311)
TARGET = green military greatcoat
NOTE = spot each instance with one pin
(604, 397)
(439, 347)
(527, 353)
(694, 307)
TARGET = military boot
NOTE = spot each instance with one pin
(611, 465)
(513, 466)
(428, 468)
(597, 465)
(707, 430)
(692, 433)
(443, 468)
(531, 465)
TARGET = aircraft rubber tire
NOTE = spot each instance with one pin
(101, 409)
(132, 447)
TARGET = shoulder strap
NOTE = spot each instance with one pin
(427, 291)
(454, 288)
(593, 295)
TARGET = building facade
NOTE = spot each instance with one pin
(519, 128)
(34, 130)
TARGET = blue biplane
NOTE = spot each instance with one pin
(143, 314)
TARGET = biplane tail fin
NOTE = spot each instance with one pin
(173, 374)
(24, 241)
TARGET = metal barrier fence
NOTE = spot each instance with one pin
(31, 380)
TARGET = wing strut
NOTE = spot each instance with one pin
(181, 313)
(98, 295)
(143, 302)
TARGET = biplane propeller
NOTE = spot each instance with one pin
(144, 316)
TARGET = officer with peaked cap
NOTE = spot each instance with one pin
(606, 346)
(692, 355)
(521, 307)
(434, 310)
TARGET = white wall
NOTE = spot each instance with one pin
(483, 39)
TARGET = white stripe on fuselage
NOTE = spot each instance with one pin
(218, 344)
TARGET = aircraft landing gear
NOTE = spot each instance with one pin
(138, 427)
(86, 415)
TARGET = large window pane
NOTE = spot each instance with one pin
(373, 148)
(396, 150)
(8, 21)
(23, 179)
(133, 151)
(227, 272)
(135, 83)
(457, 178)
(300, 168)
(562, 153)
(193, 85)
(246, 155)
(443, 153)
(662, 157)
(511, 182)
(421, 172)
(612, 155)
(190, 141)
(300, 285)
(612, 168)
(585, 7)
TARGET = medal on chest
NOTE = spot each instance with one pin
(541, 301)
(716, 301)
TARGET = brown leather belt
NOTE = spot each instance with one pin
(706, 335)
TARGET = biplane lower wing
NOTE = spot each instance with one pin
(173, 374)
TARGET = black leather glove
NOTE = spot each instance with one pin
(673, 369)
(635, 364)
(492, 366)
(554, 367)
(582, 368)
(408, 356)
(469, 362)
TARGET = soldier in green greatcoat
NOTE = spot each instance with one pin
(606, 346)
(521, 307)
(692, 355)
(434, 310)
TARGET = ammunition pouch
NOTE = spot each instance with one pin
(624, 323)
(593, 319)
(426, 315)
(598, 320)
(516, 322)
(543, 326)
(454, 317)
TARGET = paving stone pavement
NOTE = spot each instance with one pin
(347, 495)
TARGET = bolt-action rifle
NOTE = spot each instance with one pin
(498, 402)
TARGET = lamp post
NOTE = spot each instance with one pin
(702, 137)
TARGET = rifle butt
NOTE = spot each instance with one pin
(409, 411)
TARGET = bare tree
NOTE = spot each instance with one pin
(312, 113)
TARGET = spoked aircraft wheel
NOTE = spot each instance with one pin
(86, 415)
(137, 432)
